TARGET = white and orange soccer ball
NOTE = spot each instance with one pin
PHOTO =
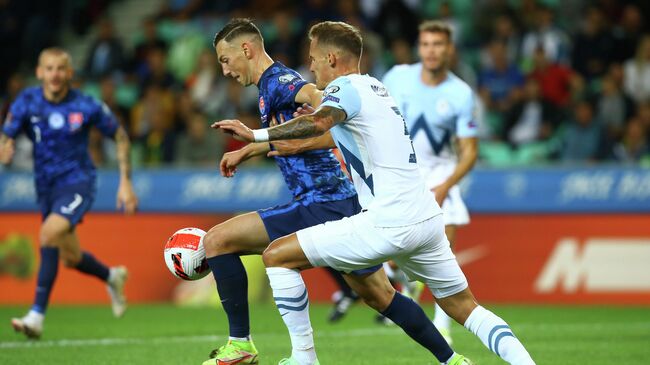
(185, 255)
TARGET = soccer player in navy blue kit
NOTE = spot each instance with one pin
(57, 119)
(321, 192)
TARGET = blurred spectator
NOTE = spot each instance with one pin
(643, 113)
(156, 72)
(204, 85)
(546, 35)
(157, 147)
(199, 145)
(312, 11)
(446, 16)
(557, 82)
(593, 46)
(530, 120)
(180, 9)
(500, 85)
(505, 31)
(582, 139)
(396, 20)
(155, 107)
(401, 51)
(637, 72)
(613, 107)
(23, 157)
(143, 47)
(634, 145)
(486, 12)
(106, 55)
(628, 33)
(283, 40)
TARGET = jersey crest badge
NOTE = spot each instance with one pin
(56, 121)
(285, 79)
(75, 120)
(262, 105)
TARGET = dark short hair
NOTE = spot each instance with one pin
(338, 34)
(235, 28)
(435, 26)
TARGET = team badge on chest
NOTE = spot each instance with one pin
(56, 120)
(75, 120)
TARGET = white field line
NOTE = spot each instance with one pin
(361, 332)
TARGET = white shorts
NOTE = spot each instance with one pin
(421, 250)
(454, 209)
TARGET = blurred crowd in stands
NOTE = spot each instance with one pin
(555, 81)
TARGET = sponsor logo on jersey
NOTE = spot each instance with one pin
(331, 90)
(285, 79)
(56, 120)
(75, 120)
(262, 105)
(379, 90)
(331, 98)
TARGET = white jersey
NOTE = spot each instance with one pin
(378, 152)
(434, 115)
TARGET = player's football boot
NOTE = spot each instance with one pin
(115, 286)
(291, 361)
(459, 359)
(341, 308)
(413, 290)
(31, 325)
(234, 352)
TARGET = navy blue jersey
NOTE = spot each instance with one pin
(313, 175)
(60, 135)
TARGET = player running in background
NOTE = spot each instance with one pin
(58, 119)
(321, 193)
(439, 111)
(401, 219)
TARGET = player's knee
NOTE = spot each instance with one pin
(217, 242)
(272, 256)
(49, 237)
(379, 298)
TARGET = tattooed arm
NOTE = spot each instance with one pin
(305, 126)
(126, 197)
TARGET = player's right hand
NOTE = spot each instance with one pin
(229, 162)
(304, 110)
(7, 150)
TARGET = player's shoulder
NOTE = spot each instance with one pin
(29, 94)
(459, 87)
(282, 74)
(402, 70)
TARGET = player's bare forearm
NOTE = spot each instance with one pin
(309, 94)
(295, 146)
(255, 149)
(305, 126)
(467, 155)
(123, 146)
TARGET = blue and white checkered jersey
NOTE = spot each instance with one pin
(312, 176)
(434, 115)
(59, 132)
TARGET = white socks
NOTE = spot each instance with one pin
(495, 333)
(290, 295)
(441, 320)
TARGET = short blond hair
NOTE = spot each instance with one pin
(55, 51)
(435, 26)
(338, 34)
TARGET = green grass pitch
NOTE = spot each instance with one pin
(163, 334)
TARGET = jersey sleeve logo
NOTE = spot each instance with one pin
(285, 79)
(262, 105)
(56, 120)
(331, 90)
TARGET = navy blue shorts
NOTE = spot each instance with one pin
(282, 220)
(72, 202)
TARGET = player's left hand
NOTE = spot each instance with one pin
(440, 192)
(238, 129)
(126, 198)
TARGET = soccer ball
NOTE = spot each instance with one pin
(185, 255)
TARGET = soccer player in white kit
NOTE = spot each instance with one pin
(401, 219)
(439, 111)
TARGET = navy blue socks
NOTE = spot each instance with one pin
(412, 319)
(232, 285)
(89, 265)
(46, 276)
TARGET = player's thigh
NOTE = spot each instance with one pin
(375, 288)
(286, 252)
(243, 234)
(346, 245)
(429, 259)
(54, 229)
